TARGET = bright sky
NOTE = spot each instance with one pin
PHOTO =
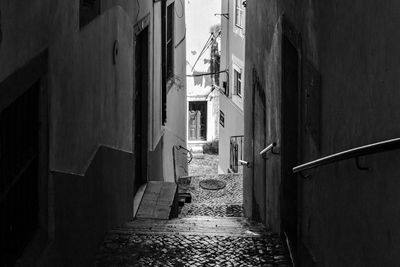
(199, 19)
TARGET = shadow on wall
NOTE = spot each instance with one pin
(86, 207)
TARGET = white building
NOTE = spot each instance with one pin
(231, 127)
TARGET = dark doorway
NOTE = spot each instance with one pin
(19, 174)
(289, 142)
(142, 107)
(198, 120)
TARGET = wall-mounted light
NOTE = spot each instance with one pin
(244, 3)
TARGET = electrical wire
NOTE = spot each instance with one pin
(213, 40)
(202, 51)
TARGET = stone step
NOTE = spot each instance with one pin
(196, 225)
(160, 201)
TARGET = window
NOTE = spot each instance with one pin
(167, 37)
(237, 82)
(239, 11)
(88, 10)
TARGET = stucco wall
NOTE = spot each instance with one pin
(233, 126)
(174, 131)
(360, 70)
(91, 97)
(87, 206)
(347, 216)
(24, 33)
(232, 54)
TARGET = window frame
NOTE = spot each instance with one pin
(239, 14)
(169, 40)
(237, 80)
(168, 49)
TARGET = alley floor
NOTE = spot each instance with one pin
(207, 164)
(210, 231)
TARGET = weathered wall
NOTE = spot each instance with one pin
(347, 216)
(24, 37)
(233, 127)
(359, 64)
(174, 131)
(262, 91)
(91, 96)
(87, 206)
(232, 54)
(23, 33)
(91, 104)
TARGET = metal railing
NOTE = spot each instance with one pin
(187, 150)
(175, 153)
(269, 148)
(357, 152)
(236, 152)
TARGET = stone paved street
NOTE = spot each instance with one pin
(210, 231)
(134, 249)
(231, 194)
(206, 165)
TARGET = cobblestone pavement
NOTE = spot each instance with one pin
(231, 194)
(135, 249)
(196, 209)
(202, 166)
(210, 231)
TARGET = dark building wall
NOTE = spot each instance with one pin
(23, 33)
(92, 96)
(87, 206)
(91, 81)
(359, 64)
(347, 217)
(262, 89)
(23, 66)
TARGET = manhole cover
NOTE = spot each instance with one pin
(212, 184)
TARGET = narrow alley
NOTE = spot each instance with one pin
(210, 231)
(199, 133)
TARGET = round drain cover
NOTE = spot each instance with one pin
(212, 184)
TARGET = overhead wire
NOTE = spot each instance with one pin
(202, 51)
(207, 45)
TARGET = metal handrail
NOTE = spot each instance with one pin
(244, 163)
(268, 148)
(236, 152)
(189, 151)
(357, 152)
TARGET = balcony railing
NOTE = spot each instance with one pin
(236, 152)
